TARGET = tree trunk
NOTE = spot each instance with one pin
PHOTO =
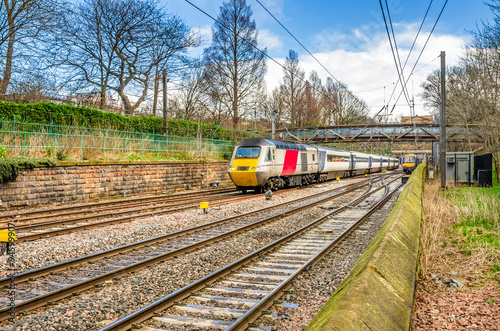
(103, 97)
(236, 117)
(156, 90)
(4, 83)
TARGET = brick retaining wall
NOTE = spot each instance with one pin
(84, 181)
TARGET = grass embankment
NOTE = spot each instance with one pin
(460, 247)
(65, 132)
(461, 232)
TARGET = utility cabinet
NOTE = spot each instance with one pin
(459, 168)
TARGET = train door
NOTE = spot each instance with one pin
(303, 161)
(321, 161)
(353, 164)
(271, 160)
(370, 165)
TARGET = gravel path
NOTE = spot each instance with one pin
(129, 293)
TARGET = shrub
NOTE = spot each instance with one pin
(64, 114)
(9, 167)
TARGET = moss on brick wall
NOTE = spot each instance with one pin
(69, 181)
(378, 292)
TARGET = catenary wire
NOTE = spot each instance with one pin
(400, 74)
(261, 51)
(425, 45)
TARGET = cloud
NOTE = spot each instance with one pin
(365, 63)
(268, 39)
(205, 33)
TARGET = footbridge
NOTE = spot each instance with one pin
(378, 132)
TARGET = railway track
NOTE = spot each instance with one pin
(233, 297)
(96, 218)
(41, 230)
(90, 207)
(37, 287)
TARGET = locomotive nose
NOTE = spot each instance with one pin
(244, 172)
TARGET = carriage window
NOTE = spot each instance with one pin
(268, 155)
(248, 153)
(313, 158)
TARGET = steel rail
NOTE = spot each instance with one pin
(129, 218)
(148, 311)
(76, 210)
(83, 285)
(165, 206)
(20, 277)
(256, 311)
(19, 216)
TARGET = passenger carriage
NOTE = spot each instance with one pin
(259, 163)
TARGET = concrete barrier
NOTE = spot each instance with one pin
(378, 293)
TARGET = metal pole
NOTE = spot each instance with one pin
(273, 118)
(442, 136)
(165, 119)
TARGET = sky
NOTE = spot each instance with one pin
(349, 38)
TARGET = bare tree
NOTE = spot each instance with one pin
(192, 96)
(313, 100)
(346, 107)
(234, 64)
(118, 44)
(473, 89)
(292, 89)
(24, 25)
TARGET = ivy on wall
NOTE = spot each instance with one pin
(9, 167)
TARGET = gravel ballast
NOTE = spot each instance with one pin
(132, 292)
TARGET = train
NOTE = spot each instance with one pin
(262, 164)
(410, 162)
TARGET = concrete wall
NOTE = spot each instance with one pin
(378, 293)
(84, 181)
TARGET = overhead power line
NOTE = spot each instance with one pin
(425, 45)
(413, 45)
(394, 55)
(261, 51)
(304, 47)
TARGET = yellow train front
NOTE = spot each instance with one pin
(261, 164)
(410, 163)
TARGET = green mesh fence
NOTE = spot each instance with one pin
(24, 139)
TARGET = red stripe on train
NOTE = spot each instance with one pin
(290, 163)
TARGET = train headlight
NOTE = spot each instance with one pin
(258, 168)
(253, 168)
(232, 168)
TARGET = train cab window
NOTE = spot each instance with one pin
(268, 156)
(409, 159)
(247, 153)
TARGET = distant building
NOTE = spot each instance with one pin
(417, 119)
(93, 99)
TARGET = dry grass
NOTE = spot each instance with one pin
(460, 232)
(439, 217)
(99, 145)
